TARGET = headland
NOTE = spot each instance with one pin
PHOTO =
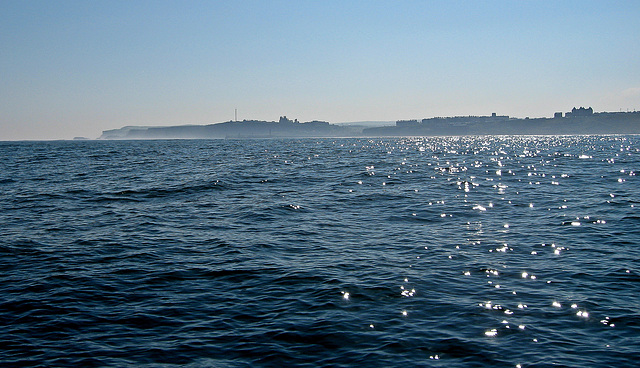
(577, 121)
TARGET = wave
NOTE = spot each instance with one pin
(321, 253)
(150, 193)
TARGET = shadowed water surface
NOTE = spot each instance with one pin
(443, 252)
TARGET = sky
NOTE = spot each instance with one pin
(76, 68)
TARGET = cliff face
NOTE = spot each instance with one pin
(592, 123)
(235, 129)
(599, 123)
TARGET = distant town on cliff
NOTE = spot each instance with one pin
(577, 121)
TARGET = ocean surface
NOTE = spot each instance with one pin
(428, 252)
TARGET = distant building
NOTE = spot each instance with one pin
(284, 120)
(557, 115)
(579, 112)
(495, 117)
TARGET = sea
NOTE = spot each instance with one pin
(487, 251)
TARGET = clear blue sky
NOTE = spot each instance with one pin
(75, 68)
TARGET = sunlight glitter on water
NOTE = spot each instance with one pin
(485, 251)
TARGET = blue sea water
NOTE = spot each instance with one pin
(423, 252)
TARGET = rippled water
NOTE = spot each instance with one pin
(443, 252)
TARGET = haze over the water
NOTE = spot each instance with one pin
(75, 68)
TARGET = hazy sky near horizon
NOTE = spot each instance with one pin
(75, 68)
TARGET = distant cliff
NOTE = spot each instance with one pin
(236, 129)
(578, 121)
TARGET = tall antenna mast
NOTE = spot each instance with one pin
(236, 115)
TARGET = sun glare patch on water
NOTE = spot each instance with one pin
(472, 251)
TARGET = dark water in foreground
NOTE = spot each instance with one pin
(443, 252)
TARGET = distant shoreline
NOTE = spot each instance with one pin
(578, 121)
